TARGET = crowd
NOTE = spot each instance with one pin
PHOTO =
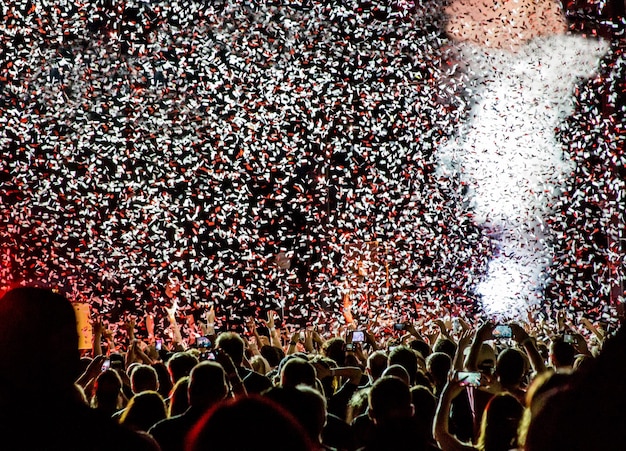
(432, 386)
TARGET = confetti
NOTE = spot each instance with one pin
(285, 155)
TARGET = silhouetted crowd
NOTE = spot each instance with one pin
(442, 384)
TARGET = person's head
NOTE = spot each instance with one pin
(486, 361)
(305, 403)
(562, 354)
(357, 404)
(376, 363)
(144, 378)
(425, 404)
(233, 345)
(438, 365)
(397, 371)
(38, 337)
(421, 347)
(498, 430)
(446, 346)
(143, 411)
(180, 365)
(588, 411)
(335, 349)
(207, 385)
(260, 364)
(539, 390)
(179, 399)
(511, 367)
(272, 354)
(108, 391)
(296, 372)
(243, 424)
(405, 357)
(165, 381)
(389, 400)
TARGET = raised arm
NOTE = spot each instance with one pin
(441, 430)
(527, 342)
(209, 329)
(98, 330)
(484, 332)
(464, 341)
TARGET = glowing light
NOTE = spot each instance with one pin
(508, 156)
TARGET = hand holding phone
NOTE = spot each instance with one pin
(502, 331)
(358, 336)
(469, 378)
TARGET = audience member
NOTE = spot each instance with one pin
(41, 408)
(249, 423)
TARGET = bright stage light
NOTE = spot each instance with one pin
(512, 165)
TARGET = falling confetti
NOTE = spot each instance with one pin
(249, 151)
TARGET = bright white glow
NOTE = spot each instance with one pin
(509, 157)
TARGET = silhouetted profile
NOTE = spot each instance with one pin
(40, 407)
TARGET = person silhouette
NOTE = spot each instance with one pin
(40, 405)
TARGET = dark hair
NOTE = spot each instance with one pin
(510, 366)
(233, 345)
(272, 354)
(144, 378)
(406, 358)
(306, 404)
(335, 349)
(179, 399)
(165, 380)
(389, 399)
(498, 431)
(207, 384)
(563, 353)
(420, 346)
(221, 428)
(38, 319)
(180, 364)
(144, 410)
(377, 362)
(439, 364)
(446, 346)
(298, 371)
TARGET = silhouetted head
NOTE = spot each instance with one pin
(389, 400)
(500, 423)
(405, 357)
(233, 345)
(207, 384)
(511, 367)
(39, 352)
(377, 363)
(297, 371)
(144, 410)
(180, 365)
(247, 423)
(335, 349)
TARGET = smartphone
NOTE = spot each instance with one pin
(468, 378)
(158, 344)
(350, 347)
(358, 336)
(203, 342)
(398, 326)
(302, 336)
(569, 338)
(502, 331)
(106, 365)
(208, 355)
